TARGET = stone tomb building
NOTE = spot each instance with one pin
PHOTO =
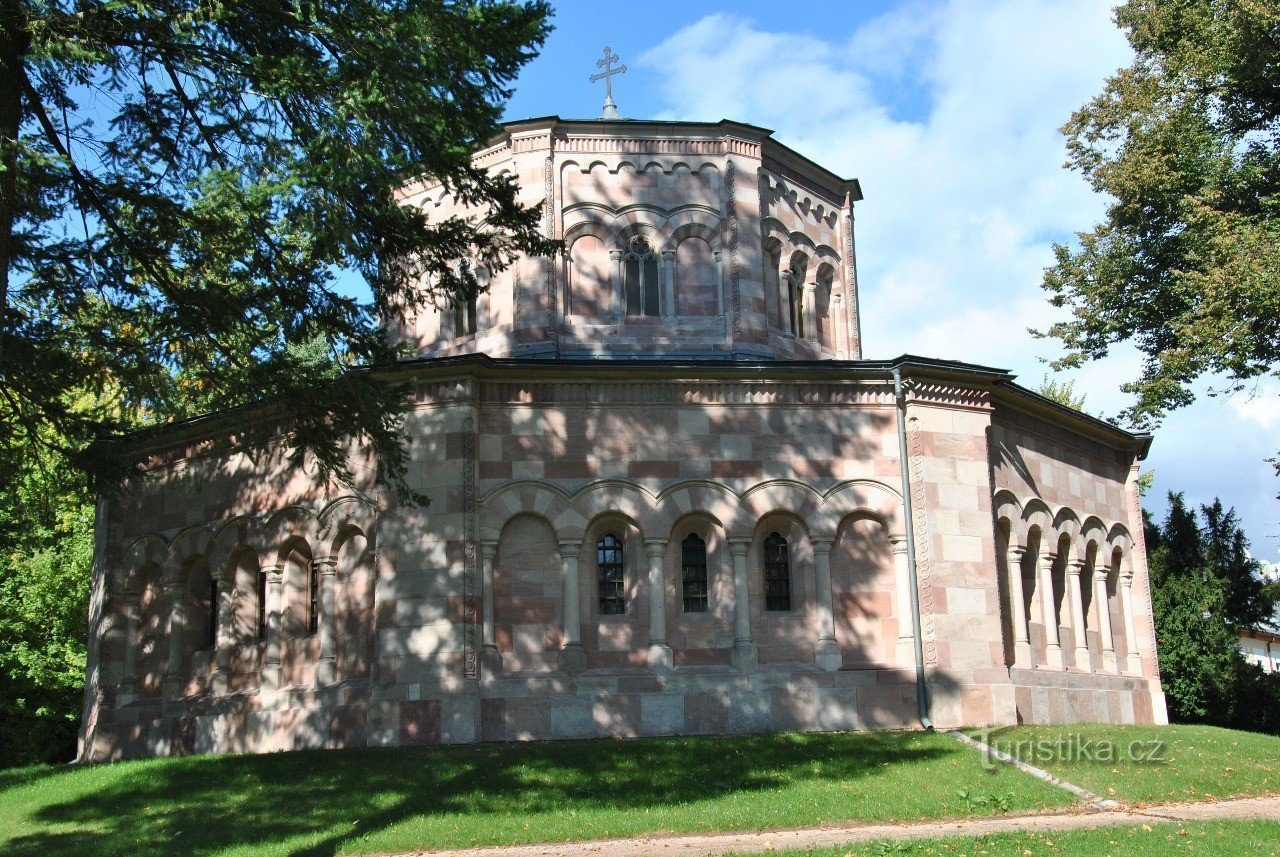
(667, 498)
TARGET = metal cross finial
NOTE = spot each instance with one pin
(610, 109)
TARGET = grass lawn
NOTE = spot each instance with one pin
(359, 801)
(1202, 762)
(1207, 837)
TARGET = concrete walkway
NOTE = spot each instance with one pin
(812, 837)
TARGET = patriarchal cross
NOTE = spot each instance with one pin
(610, 109)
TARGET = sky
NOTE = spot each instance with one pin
(948, 113)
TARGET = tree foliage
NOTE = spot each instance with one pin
(184, 182)
(1205, 589)
(1062, 392)
(1186, 142)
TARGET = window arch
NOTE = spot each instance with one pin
(642, 285)
(609, 575)
(777, 573)
(693, 573)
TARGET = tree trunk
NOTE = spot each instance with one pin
(15, 39)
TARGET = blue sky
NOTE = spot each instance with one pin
(948, 113)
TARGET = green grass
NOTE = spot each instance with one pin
(1152, 840)
(359, 801)
(1201, 762)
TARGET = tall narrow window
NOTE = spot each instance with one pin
(609, 574)
(693, 573)
(795, 300)
(262, 605)
(777, 573)
(211, 632)
(313, 590)
(640, 278)
(464, 315)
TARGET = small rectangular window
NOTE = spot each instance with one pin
(693, 573)
(777, 574)
(609, 571)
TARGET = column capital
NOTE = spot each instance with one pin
(326, 565)
(1048, 558)
(898, 542)
(1016, 552)
(810, 288)
(655, 547)
(739, 546)
(488, 549)
(821, 544)
(274, 574)
(1126, 580)
(668, 255)
(615, 255)
(570, 550)
(1075, 567)
(717, 255)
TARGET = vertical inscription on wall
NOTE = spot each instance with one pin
(469, 512)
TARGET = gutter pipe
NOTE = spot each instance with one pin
(922, 692)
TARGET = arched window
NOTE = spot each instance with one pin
(313, 596)
(609, 575)
(693, 573)
(777, 573)
(211, 631)
(640, 277)
(262, 605)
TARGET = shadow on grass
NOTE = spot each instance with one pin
(203, 805)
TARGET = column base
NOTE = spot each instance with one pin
(326, 672)
(907, 652)
(271, 678)
(1022, 655)
(827, 655)
(1110, 664)
(491, 658)
(744, 657)
(573, 658)
(1053, 659)
(1084, 661)
(218, 683)
(660, 657)
(1133, 665)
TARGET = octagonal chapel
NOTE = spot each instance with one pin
(669, 496)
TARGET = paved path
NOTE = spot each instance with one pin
(811, 837)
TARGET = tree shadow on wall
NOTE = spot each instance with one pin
(322, 801)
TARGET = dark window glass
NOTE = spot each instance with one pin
(262, 605)
(693, 573)
(211, 633)
(777, 573)
(464, 316)
(651, 285)
(313, 589)
(641, 283)
(797, 306)
(635, 304)
(609, 575)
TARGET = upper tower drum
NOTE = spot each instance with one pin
(682, 240)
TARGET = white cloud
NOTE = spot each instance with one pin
(949, 115)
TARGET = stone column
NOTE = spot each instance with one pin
(326, 626)
(810, 309)
(669, 308)
(1049, 613)
(1018, 606)
(1103, 607)
(840, 340)
(177, 623)
(129, 667)
(1133, 665)
(826, 652)
(271, 655)
(223, 638)
(1075, 570)
(660, 656)
(615, 274)
(744, 650)
(572, 657)
(906, 647)
(490, 656)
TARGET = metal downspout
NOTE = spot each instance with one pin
(922, 692)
